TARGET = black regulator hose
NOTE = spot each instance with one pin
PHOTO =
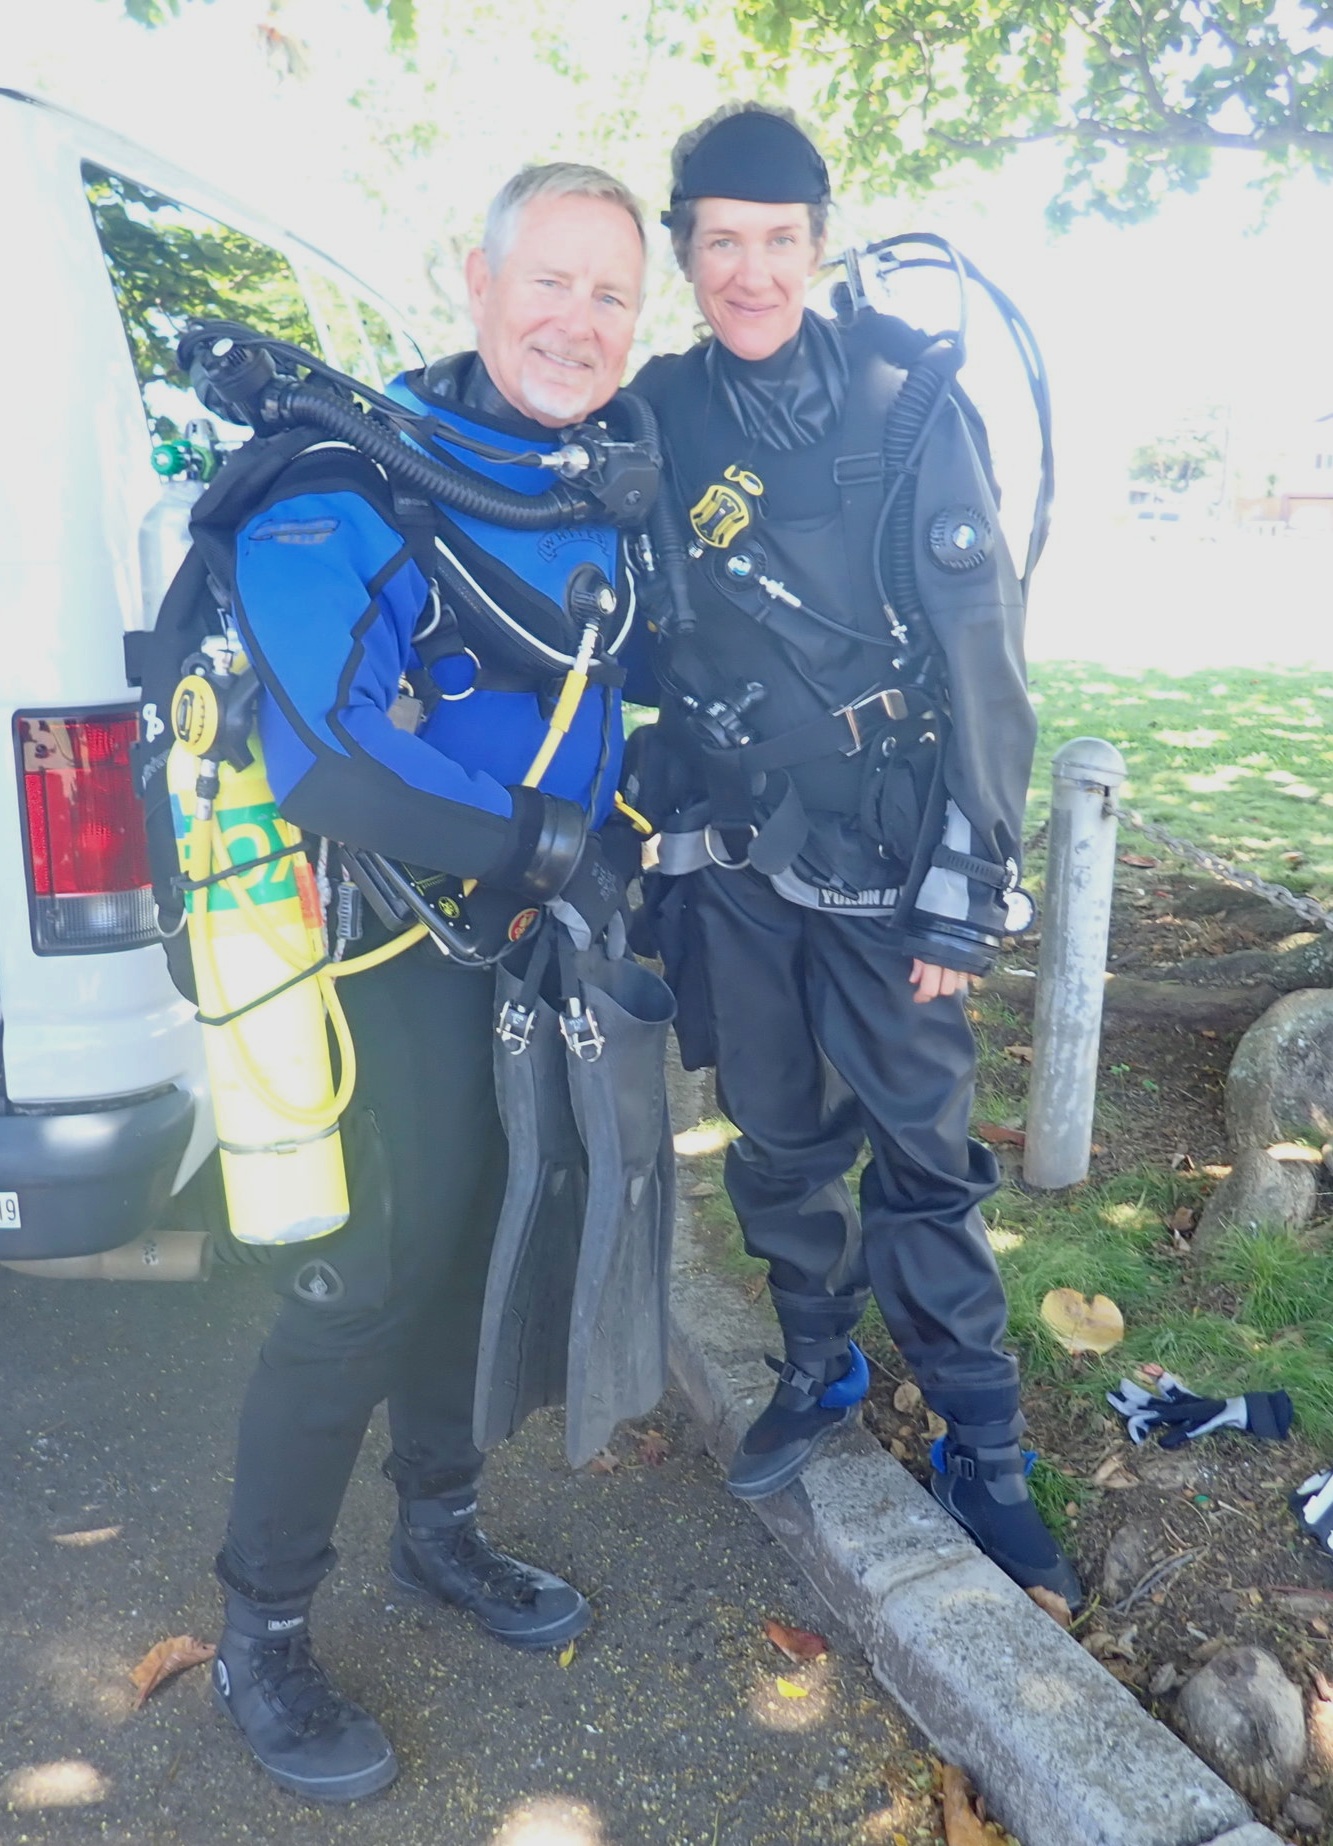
(503, 506)
(664, 532)
(919, 403)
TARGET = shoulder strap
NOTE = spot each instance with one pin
(858, 471)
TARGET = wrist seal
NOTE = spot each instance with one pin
(547, 843)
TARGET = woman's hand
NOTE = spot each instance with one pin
(932, 982)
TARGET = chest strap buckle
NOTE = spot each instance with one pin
(890, 701)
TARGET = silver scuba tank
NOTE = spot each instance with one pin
(185, 467)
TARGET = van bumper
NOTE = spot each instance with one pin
(88, 1180)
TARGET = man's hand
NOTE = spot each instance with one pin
(932, 982)
(592, 896)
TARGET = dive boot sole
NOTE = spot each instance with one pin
(537, 1641)
(1067, 1585)
(769, 1484)
(331, 1790)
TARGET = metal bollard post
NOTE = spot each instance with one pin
(1071, 965)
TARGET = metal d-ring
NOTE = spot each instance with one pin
(727, 865)
(452, 698)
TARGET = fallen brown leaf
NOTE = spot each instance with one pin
(1183, 1220)
(1080, 1324)
(995, 1134)
(1298, 1151)
(961, 1826)
(1053, 1603)
(603, 1462)
(653, 1448)
(907, 1396)
(1139, 859)
(167, 1659)
(1321, 1723)
(1021, 1054)
(795, 1643)
(1113, 1473)
(1103, 1645)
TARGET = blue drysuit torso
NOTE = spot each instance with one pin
(328, 598)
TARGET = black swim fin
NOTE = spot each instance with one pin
(615, 1020)
(521, 1362)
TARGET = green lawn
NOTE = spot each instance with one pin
(1239, 761)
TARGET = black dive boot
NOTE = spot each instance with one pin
(308, 1737)
(438, 1550)
(824, 1379)
(980, 1476)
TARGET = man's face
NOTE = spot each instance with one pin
(555, 319)
(751, 264)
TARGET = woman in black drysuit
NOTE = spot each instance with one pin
(840, 770)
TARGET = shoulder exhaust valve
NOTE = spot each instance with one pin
(960, 538)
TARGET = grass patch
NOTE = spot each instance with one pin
(1053, 1492)
(1238, 760)
(1255, 1315)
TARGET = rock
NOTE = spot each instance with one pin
(1305, 1816)
(1128, 1556)
(1280, 1085)
(1246, 1718)
(1171, 1468)
(1164, 1680)
(1259, 1190)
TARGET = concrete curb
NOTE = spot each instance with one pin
(1063, 1753)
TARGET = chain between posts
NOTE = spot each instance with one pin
(1305, 907)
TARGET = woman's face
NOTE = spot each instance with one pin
(751, 265)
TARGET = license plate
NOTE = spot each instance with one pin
(10, 1219)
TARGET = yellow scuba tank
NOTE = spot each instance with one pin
(257, 946)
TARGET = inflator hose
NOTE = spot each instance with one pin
(663, 529)
(920, 397)
(501, 506)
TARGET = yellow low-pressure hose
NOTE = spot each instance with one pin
(571, 693)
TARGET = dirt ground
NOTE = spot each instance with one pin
(1211, 1554)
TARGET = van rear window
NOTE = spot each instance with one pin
(169, 265)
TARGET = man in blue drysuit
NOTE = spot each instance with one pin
(329, 598)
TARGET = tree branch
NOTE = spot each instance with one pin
(1182, 131)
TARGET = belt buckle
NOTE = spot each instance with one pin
(889, 698)
(515, 1026)
(581, 1032)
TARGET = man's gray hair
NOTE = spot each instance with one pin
(681, 223)
(559, 179)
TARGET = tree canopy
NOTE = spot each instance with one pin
(1139, 95)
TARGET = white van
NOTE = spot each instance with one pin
(107, 252)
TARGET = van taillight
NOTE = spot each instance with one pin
(87, 852)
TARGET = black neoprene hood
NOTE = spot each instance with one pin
(753, 156)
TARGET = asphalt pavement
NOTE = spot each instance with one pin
(676, 1723)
